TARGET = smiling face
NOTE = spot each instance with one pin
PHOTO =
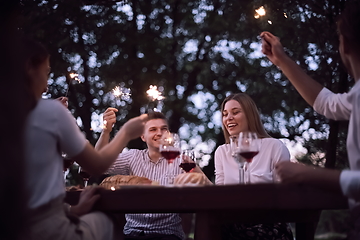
(154, 129)
(234, 118)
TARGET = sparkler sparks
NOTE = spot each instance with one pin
(75, 77)
(154, 94)
(120, 92)
(260, 12)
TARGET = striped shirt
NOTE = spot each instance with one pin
(137, 162)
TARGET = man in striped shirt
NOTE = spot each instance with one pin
(150, 164)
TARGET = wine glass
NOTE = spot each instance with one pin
(235, 153)
(67, 162)
(85, 175)
(187, 160)
(248, 148)
(170, 150)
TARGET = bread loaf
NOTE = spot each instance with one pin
(191, 178)
(114, 182)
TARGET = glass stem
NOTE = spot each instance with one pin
(247, 173)
(241, 174)
(170, 175)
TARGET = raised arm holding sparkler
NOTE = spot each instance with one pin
(109, 119)
(343, 106)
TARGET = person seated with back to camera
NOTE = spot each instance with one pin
(50, 129)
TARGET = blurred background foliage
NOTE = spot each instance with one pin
(196, 52)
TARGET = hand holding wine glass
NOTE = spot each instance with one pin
(67, 162)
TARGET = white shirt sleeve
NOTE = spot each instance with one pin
(333, 106)
(350, 184)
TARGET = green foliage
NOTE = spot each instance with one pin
(189, 48)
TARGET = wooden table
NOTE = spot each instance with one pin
(216, 205)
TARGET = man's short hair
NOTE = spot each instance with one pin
(156, 115)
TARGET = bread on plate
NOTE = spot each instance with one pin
(114, 182)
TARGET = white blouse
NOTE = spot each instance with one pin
(261, 169)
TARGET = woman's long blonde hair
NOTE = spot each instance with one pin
(251, 113)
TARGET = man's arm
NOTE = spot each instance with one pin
(97, 162)
(304, 84)
(315, 176)
(350, 183)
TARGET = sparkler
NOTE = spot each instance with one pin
(73, 76)
(260, 12)
(154, 95)
(122, 93)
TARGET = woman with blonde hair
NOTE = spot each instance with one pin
(239, 114)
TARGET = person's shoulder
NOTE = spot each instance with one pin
(50, 102)
(223, 148)
(133, 153)
(355, 90)
(48, 108)
(273, 142)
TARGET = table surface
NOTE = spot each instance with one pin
(215, 205)
(228, 197)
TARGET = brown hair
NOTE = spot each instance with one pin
(251, 113)
(348, 25)
(156, 115)
(33, 55)
(34, 52)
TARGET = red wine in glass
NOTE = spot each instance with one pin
(170, 155)
(248, 155)
(187, 166)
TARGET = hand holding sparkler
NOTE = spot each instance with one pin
(109, 119)
(272, 48)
